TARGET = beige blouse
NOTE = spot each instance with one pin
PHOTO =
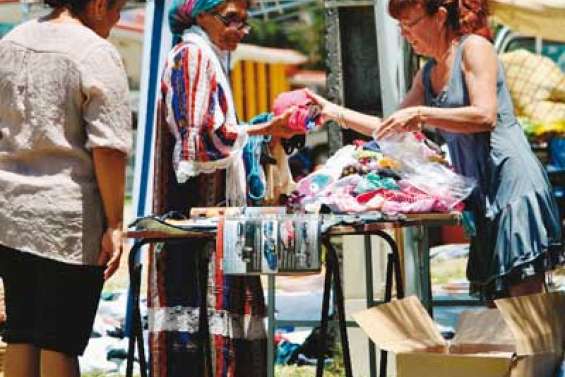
(63, 91)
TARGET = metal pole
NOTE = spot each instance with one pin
(423, 258)
(370, 300)
(325, 314)
(155, 9)
(338, 289)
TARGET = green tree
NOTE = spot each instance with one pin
(303, 31)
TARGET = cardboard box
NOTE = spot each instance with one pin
(524, 337)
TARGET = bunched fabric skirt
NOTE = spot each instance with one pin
(179, 344)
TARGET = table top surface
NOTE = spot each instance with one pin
(409, 220)
(413, 219)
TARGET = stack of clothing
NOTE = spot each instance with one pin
(398, 176)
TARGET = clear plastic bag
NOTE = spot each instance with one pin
(318, 181)
(440, 182)
(424, 173)
(407, 149)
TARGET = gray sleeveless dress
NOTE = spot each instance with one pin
(517, 223)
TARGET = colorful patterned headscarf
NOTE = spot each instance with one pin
(183, 13)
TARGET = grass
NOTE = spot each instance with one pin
(335, 369)
(280, 371)
(306, 371)
(445, 271)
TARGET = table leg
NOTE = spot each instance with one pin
(140, 340)
(387, 298)
(203, 319)
(370, 301)
(136, 330)
(424, 270)
(393, 267)
(271, 325)
(338, 289)
(325, 314)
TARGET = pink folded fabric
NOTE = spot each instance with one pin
(406, 201)
(343, 203)
(307, 115)
(418, 206)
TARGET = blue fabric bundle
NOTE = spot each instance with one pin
(256, 182)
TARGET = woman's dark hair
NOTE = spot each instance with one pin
(75, 6)
(463, 16)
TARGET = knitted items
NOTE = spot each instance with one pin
(373, 181)
(357, 179)
(305, 118)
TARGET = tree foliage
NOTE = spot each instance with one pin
(304, 31)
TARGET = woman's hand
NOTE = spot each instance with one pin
(404, 120)
(329, 110)
(111, 250)
(277, 127)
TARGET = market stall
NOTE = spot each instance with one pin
(152, 230)
(363, 189)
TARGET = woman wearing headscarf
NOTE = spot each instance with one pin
(199, 163)
(461, 92)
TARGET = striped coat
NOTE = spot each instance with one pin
(197, 130)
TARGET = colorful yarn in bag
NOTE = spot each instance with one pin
(256, 181)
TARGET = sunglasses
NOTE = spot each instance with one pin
(233, 22)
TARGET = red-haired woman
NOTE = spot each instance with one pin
(461, 92)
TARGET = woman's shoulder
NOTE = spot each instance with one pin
(476, 49)
(74, 40)
(94, 45)
(16, 32)
(25, 31)
(473, 43)
(101, 59)
(188, 50)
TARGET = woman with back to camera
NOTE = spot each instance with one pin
(461, 92)
(64, 136)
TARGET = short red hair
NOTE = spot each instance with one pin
(463, 16)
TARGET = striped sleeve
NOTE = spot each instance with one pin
(196, 107)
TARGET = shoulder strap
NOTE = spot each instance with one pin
(459, 50)
(426, 81)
